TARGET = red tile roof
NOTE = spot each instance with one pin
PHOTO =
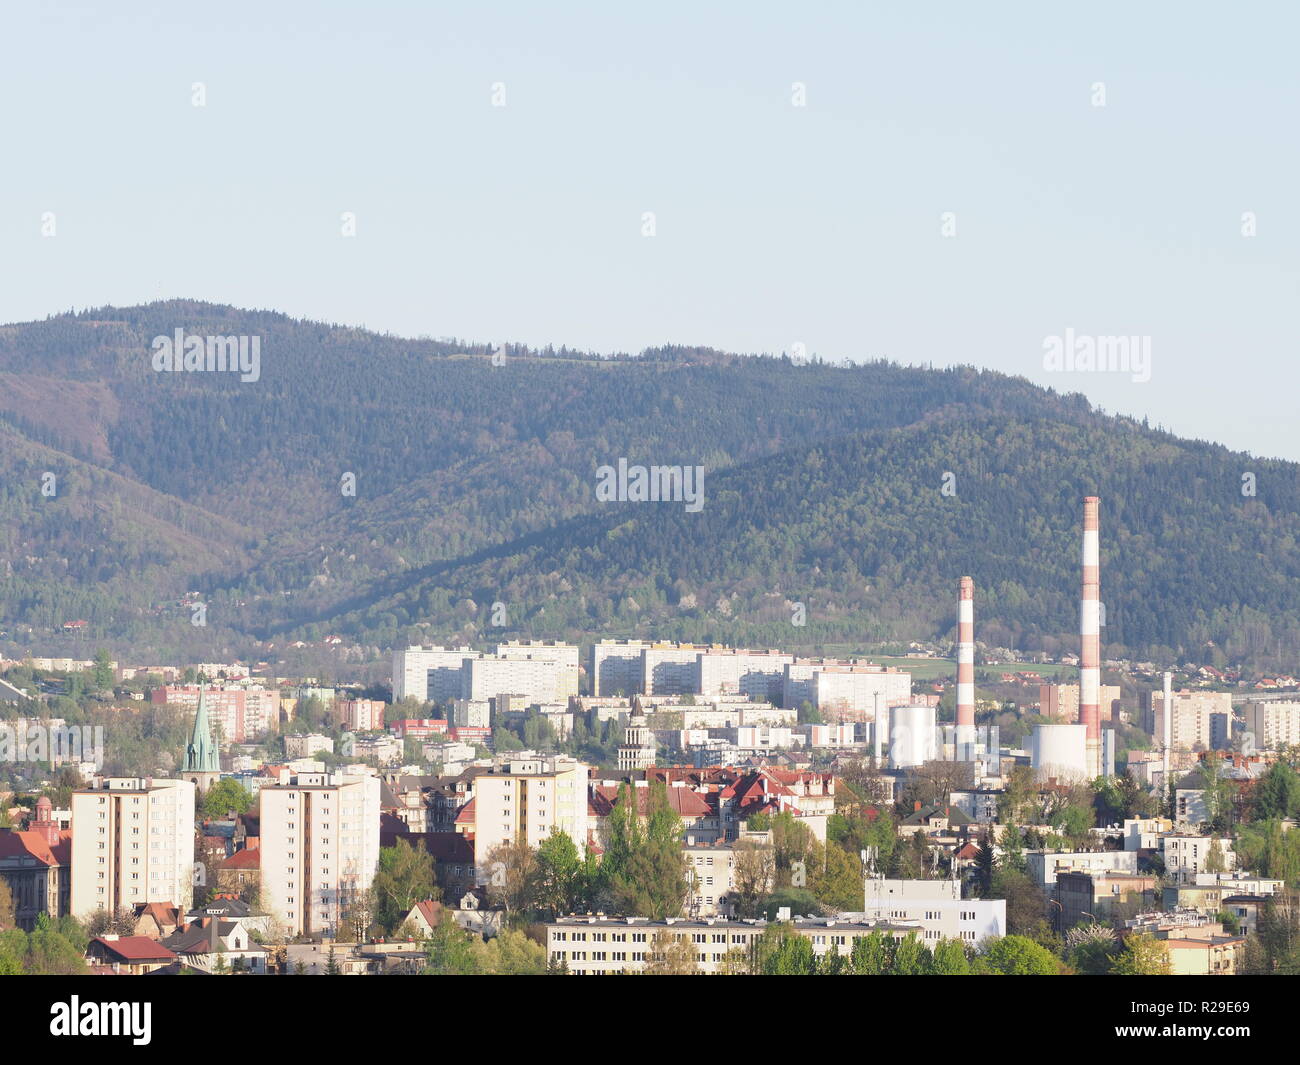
(244, 859)
(135, 948)
(15, 844)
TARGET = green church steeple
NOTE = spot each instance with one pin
(201, 755)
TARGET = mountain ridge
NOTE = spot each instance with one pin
(475, 481)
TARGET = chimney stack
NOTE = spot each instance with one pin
(966, 670)
(878, 727)
(1167, 726)
(1090, 635)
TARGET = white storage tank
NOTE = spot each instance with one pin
(1060, 751)
(911, 736)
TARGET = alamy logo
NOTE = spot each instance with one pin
(651, 484)
(32, 742)
(214, 354)
(79, 1018)
(1081, 353)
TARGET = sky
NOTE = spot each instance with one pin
(933, 184)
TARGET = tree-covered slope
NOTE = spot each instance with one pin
(475, 481)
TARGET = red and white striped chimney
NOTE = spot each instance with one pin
(965, 669)
(1090, 631)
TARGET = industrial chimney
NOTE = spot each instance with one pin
(1090, 635)
(1167, 727)
(966, 671)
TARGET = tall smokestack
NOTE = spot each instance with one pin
(1167, 727)
(1090, 634)
(878, 726)
(966, 670)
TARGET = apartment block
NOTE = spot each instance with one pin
(238, 714)
(527, 798)
(1060, 702)
(1199, 720)
(616, 667)
(605, 946)
(671, 669)
(359, 715)
(845, 692)
(320, 846)
(1273, 724)
(430, 674)
(535, 680)
(755, 674)
(132, 842)
(564, 655)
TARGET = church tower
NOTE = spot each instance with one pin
(202, 762)
(638, 748)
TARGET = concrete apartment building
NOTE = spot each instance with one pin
(756, 674)
(1044, 866)
(848, 693)
(606, 946)
(320, 845)
(132, 842)
(617, 668)
(239, 714)
(430, 674)
(712, 871)
(935, 908)
(359, 715)
(1198, 721)
(1273, 724)
(1060, 702)
(1185, 856)
(671, 669)
(564, 655)
(526, 797)
(1102, 896)
(533, 672)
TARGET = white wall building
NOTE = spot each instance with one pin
(132, 841)
(529, 797)
(430, 674)
(1273, 723)
(320, 845)
(1185, 856)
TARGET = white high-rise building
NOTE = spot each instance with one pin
(844, 691)
(528, 797)
(756, 674)
(1200, 720)
(320, 846)
(1273, 723)
(536, 680)
(616, 667)
(564, 655)
(670, 669)
(430, 674)
(132, 841)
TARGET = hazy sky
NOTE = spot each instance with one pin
(775, 224)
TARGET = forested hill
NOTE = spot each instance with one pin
(475, 484)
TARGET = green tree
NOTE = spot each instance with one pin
(224, 796)
(872, 955)
(405, 876)
(950, 959)
(1017, 956)
(450, 951)
(1142, 955)
(558, 883)
(911, 957)
(511, 953)
(102, 672)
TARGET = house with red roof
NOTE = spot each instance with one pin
(37, 866)
(128, 955)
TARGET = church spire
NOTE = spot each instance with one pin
(201, 755)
